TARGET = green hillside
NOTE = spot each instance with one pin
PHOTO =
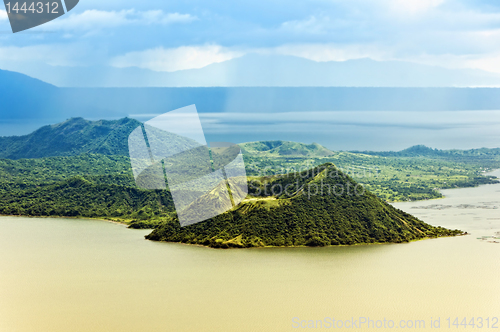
(302, 214)
(424, 151)
(54, 169)
(72, 137)
(76, 181)
(109, 197)
(87, 185)
(284, 148)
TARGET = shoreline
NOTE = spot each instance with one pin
(329, 246)
(126, 223)
(230, 248)
(65, 217)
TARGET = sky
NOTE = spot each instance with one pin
(175, 35)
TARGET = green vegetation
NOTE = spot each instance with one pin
(393, 176)
(70, 138)
(81, 168)
(304, 216)
(89, 185)
(29, 172)
(283, 148)
(91, 198)
(25, 183)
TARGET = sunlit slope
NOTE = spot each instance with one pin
(72, 137)
(318, 207)
(284, 148)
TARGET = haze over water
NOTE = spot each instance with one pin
(84, 275)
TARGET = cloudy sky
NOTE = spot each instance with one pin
(174, 35)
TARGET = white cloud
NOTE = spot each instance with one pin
(434, 32)
(446, 33)
(3, 15)
(329, 52)
(54, 55)
(173, 59)
(311, 25)
(98, 19)
(488, 63)
(191, 57)
(159, 17)
(413, 6)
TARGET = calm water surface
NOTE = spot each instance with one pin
(81, 275)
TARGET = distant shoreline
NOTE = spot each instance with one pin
(312, 247)
(127, 222)
(64, 217)
(231, 248)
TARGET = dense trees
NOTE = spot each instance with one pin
(393, 177)
(81, 197)
(304, 219)
(81, 169)
(72, 137)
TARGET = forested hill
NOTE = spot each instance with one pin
(319, 207)
(98, 152)
(78, 136)
(72, 137)
(284, 148)
(424, 151)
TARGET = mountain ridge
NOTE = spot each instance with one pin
(71, 137)
(30, 103)
(285, 148)
(422, 150)
(110, 137)
(272, 70)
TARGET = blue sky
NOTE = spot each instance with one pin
(176, 35)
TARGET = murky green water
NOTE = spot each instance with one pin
(80, 275)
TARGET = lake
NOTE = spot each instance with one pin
(88, 275)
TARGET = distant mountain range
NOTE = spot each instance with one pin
(424, 151)
(21, 93)
(254, 70)
(25, 100)
(27, 104)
